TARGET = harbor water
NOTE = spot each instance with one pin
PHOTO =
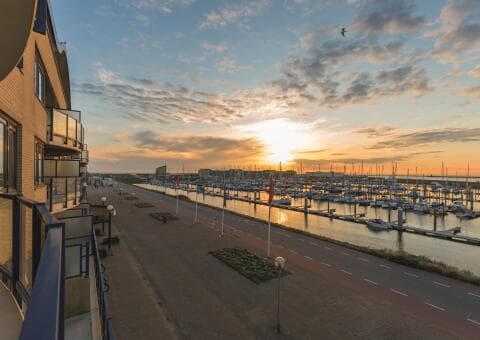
(462, 256)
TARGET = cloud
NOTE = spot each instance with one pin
(458, 33)
(212, 47)
(228, 65)
(388, 16)
(421, 138)
(471, 91)
(233, 13)
(152, 101)
(164, 6)
(375, 132)
(475, 72)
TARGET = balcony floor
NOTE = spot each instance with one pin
(10, 317)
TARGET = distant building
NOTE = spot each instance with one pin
(204, 173)
(161, 171)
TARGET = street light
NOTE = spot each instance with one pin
(84, 190)
(104, 199)
(279, 264)
(111, 211)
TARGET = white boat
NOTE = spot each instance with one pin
(378, 224)
(421, 208)
(457, 206)
(282, 201)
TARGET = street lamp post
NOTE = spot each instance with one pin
(111, 211)
(104, 199)
(279, 264)
(84, 191)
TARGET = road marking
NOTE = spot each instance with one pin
(436, 307)
(384, 266)
(293, 251)
(370, 281)
(258, 238)
(328, 248)
(344, 253)
(441, 284)
(412, 275)
(302, 240)
(474, 322)
(362, 259)
(307, 257)
(398, 292)
(348, 273)
(472, 294)
(314, 244)
(326, 264)
(240, 231)
(288, 236)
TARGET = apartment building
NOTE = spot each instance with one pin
(51, 285)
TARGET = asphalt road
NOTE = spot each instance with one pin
(427, 296)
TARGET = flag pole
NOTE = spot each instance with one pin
(224, 202)
(196, 205)
(270, 199)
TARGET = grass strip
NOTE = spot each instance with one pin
(253, 267)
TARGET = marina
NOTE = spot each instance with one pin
(441, 235)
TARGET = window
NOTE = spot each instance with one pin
(39, 80)
(7, 156)
(2, 154)
(39, 152)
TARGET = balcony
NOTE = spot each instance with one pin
(51, 278)
(65, 132)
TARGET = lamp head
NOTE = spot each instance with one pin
(110, 207)
(279, 262)
(104, 199)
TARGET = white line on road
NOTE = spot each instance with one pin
(326, 264)
(411, 275)
(436, 307)
(293, 251)
(472, 294)
(398, 292)
(441, 284)
(302, 240)
(384, 266)
(344, 253)
(258, 238)
(314, 244)
(288, 236)
(474, 322)
(346, 272)
(307, 257)
(328, 248)
(370, 281)
(362, 259)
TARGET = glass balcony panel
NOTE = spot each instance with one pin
(68, 168)
(71, 189)
(72, 128)
(58, 190)
(59, 123)
(6, 207)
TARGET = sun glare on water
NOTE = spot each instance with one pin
(281, 137)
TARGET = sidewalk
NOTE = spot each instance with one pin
(136, 310)
(207, 300)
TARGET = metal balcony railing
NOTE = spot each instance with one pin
(65, 128)
(33, 266)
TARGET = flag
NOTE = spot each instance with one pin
(271, 191)
(177, 181)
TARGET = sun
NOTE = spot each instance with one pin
(281, 138)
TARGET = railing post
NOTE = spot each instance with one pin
(16, 249)
(36, 241)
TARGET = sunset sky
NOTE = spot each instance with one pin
(236, 83)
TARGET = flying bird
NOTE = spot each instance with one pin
(343, 31)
